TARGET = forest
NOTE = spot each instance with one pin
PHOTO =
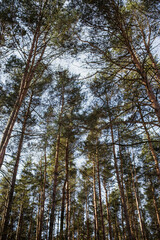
(79, 120)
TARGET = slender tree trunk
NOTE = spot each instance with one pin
(123, 228)
(95, 203)
(87, 216)
(129, 205)
(38, 214)
(20, 222)
(56, 172)
(42, 201)
(122, 182)
(54, 187)
(11, 192)
(100, 195)
(155, 205)
(123, 200)
(62, 211)
(108, 211)
(69, 214)
(137, 205)
(67, 188)
(150, 143)
(30, 229)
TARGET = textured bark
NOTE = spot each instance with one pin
(11, 191)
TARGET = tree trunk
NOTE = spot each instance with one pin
(11, 192)
(95, 203)
(123, 200)
(56, 171)
(108, 211)
(137, 205)
(62, 211)
(67, 188)
(24, 86)
(54, 187)
(20, 221)
(69, 213)
(100, 197)
(155, 205)
(42, 201)
(30, 229)
(87, 216)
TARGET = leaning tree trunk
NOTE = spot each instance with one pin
(139, 66)
(11, 192)
(31, 66)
